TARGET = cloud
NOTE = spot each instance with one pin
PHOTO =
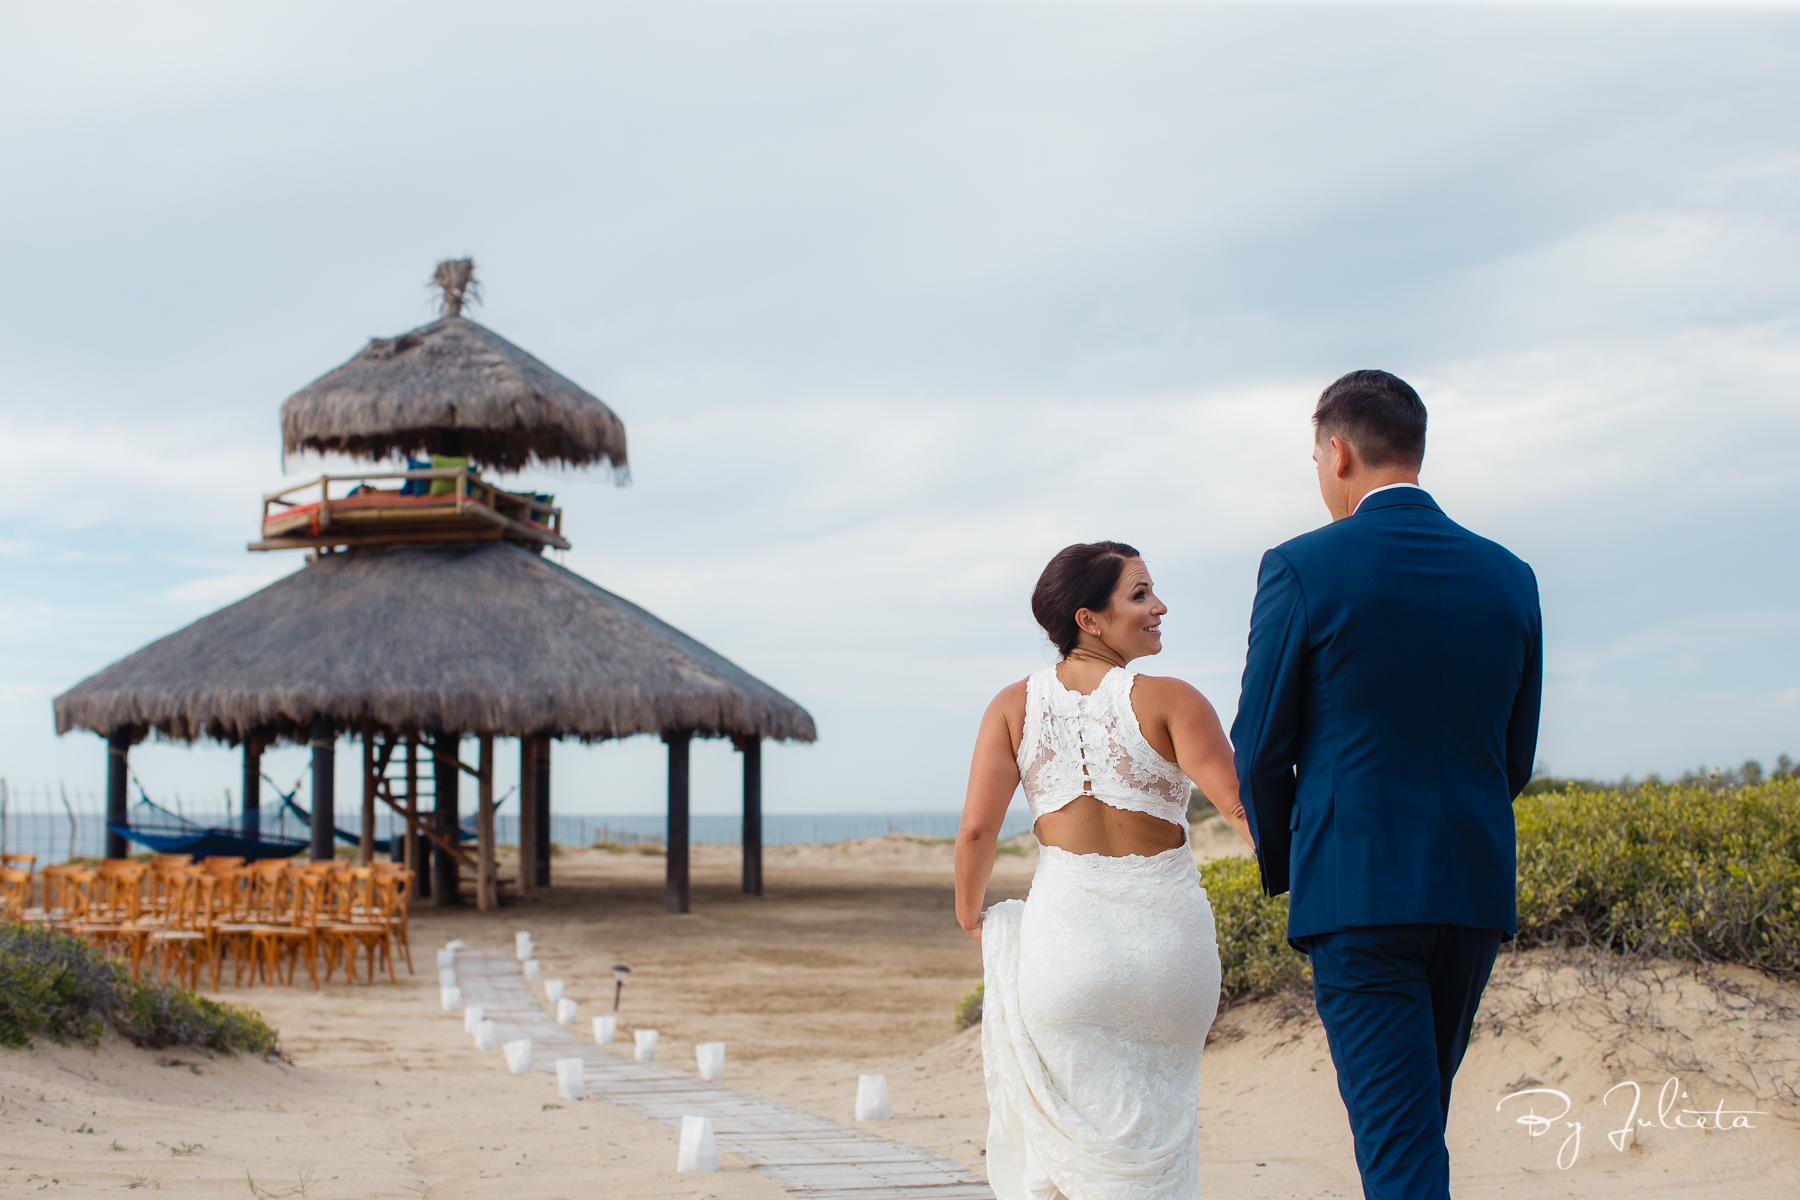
(898, 299)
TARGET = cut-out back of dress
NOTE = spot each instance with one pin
(1074, 745)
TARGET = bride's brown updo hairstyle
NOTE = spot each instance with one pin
(1080, 576)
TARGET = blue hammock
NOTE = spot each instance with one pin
(165, 832)
(465, 829)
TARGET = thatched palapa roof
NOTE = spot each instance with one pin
(453, 387)
(490, 638)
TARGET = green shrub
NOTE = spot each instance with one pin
(58, 987)
(968, 1009)
(1254, 957)
(1689, 871)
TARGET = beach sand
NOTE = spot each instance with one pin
(851, 964)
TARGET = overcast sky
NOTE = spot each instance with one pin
(897, 299)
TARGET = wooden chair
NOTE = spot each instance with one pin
(222, 864)
(118, 895)
(393, 894)
(164, 875)
(33, 914)
(26, 863)
(359, 924)
(243, 905)
(269, 869)
(298, 904)
(272, 906)
(66, 889)
(15, 894)
(396, 913)
(187, 941)
(112, 920)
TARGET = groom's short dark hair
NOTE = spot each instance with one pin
(1377, 413)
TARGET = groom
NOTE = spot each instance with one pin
(1388, 719)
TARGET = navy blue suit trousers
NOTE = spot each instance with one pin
(1397, 1002)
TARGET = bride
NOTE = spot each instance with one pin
(1099, 987)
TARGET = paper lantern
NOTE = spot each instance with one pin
(872, 1098)
(569, 1082)
(712, 1059)
(699, 1152)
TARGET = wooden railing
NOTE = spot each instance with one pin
(473, 497)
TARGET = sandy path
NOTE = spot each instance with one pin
(852, 963)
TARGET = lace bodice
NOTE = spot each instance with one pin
(1075, 745)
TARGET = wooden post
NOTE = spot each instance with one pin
(365, 846)
(250, 823)
(753, 855)
(675, 883)
(540, 798)
(444, 750)
(527, 816)
(118, 768)
(324, 791)
(410, 847)
(486, 894)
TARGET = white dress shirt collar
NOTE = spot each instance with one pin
(1386, 487)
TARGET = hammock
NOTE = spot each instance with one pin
(165, 832)
(465, 829)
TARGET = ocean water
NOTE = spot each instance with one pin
(78, 830)
(779, 829)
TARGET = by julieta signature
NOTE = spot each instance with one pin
(1668, 1116)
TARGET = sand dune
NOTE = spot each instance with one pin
(852, 964)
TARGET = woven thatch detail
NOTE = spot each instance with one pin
(453, 387)
(486, 639)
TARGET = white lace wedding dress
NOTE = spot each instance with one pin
(1102, 983)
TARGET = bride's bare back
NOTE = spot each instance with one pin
(1174, 720)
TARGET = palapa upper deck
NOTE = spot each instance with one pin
(440, 504)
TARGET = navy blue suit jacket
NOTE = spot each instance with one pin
(1389, 717)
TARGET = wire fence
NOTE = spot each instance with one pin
(57, 822)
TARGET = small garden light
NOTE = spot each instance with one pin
(620, 971)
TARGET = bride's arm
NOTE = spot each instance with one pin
(993, 778)
(1203, 752)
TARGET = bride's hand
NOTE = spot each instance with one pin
(976, 931)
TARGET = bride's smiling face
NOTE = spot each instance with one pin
(1131, 625)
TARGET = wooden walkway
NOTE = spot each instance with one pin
(807, 1155)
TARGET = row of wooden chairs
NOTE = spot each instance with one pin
(267, 917)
